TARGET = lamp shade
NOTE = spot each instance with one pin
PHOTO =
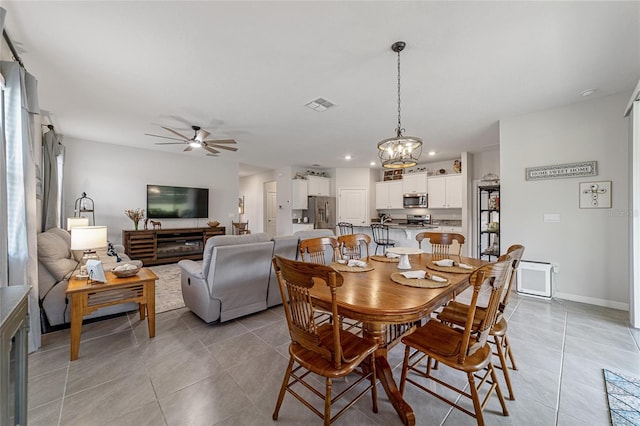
(72, 222)
(88, 237)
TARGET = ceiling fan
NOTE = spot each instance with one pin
(197, 141)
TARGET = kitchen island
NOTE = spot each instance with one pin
(405, 235)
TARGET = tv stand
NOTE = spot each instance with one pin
(158, 246)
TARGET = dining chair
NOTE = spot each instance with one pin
(322, 250)
(456, 313)
(346, 228)
(353, 246)
(323, 349)
(380, 234)
(240, 228)
(442, 243)
(466, 350)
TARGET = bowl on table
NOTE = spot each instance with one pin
(126, 270)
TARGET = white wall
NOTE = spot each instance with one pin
(116, 178)
(485, 162)
(589, 245)
(252, 187)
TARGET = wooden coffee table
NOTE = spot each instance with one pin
(86, 298)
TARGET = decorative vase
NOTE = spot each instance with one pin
(135, 225)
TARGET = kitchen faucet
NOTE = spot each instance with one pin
(385, 218)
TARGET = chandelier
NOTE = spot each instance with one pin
(400, 151)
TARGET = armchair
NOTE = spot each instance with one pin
(232, 280)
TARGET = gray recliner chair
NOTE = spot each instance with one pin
(285, 246)
(233, 279)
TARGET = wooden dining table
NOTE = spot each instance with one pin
(389, 310)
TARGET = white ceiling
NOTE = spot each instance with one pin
(113, 71)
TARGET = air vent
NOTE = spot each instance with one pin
(319, 104)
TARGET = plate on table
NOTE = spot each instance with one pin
(426, 282)
(385, 259)
(451, 269)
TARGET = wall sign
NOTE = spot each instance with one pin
(586, 168)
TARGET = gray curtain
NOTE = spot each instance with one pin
(51, 198)
(20, 118)
(4, 253)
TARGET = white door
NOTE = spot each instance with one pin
(353, 206)
(272, 211)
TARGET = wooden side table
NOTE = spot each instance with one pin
(86, 298)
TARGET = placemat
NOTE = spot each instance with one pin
(418, 282)
(345, 268)
(450, 269)
(385, 259)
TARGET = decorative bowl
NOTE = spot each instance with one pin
(124, 273)
(213, 223)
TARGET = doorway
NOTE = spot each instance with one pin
(271, 209)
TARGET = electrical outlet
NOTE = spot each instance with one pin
(555, 267)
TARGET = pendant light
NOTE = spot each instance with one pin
(400, 151)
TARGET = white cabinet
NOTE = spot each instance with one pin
(389, 195)
(414, 183)
(317, 185)
(445, 192)
(299, 195)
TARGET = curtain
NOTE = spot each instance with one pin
(52, 179)
(4, 254)
(21, 109)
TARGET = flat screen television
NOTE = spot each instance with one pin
(177, 202)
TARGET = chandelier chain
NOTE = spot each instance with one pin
(399, 130)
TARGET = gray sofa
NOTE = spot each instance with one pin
(56, 263)
(236, 277)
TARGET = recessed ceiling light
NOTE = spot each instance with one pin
(373, 163)
(432, 153)
(588, 92)
(347, 157)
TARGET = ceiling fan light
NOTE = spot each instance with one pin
(195, 144)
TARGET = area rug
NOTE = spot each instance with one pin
(168, 291)
(623, 393)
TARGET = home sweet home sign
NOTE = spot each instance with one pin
(569, 170)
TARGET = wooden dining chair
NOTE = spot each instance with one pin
(443, 244)
(353, 246)
(456, 312)
(465, 349)
(323, 349)
(321, 250)
(346, 228)
(380, 234)
(240, 228)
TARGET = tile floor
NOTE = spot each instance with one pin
(192, 373)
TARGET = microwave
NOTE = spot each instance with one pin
(414, 201)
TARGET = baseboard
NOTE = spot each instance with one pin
(592, 301)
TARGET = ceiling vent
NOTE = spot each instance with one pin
(319, 104)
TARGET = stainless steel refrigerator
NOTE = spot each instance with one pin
(322, 212)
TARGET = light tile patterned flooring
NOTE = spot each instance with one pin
(192, 373)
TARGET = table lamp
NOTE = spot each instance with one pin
(72, 222)
(87, 239)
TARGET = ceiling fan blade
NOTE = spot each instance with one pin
(228, 148)
(221, 141)
(164, 137)
(188, 148)
(202, 135)
(170, 143)
(211, 150)
(213, 155)
(176, 133)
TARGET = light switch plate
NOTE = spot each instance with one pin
(551, 218)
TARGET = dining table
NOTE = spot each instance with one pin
(389, 310)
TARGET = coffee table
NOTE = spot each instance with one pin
(88, 297)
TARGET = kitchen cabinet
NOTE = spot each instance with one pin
(299, 194)
(389, 195)
(414, 183)
(445, 192)
(489, 222)
(317, 185)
